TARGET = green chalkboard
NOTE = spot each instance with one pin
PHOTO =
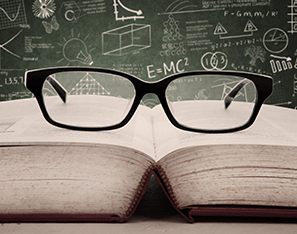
(150, 39)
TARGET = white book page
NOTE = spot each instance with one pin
(21, 122)
(273, 126)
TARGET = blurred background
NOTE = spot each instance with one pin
(151, 40)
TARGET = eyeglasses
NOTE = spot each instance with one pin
(95, 99)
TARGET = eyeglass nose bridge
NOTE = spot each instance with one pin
(157, 88)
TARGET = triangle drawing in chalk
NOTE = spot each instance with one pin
(220, 29)
(88, 86)
(250, 27)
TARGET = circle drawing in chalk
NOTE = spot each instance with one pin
(214, 61)
(70, 11)
(206, 61)
(70, 15)
(275, 40)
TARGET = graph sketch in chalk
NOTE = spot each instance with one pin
(12, 13)
(278, 98)
(3, 47)
(181, 7)
(279, 64)
(292, 15)
(128, 12)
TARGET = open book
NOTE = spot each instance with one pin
(53, 174)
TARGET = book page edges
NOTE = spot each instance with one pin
(155, 169)
(81, 214)
(57, 218)
(241, 211)
(192, 213)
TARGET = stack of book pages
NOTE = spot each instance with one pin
(53, 174)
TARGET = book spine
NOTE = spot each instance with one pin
(166, 184)
(157, 169)
(140, 191)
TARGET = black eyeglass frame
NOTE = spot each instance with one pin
(34, 80)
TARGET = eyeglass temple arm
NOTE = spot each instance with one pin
(58, 87)
(231, 95)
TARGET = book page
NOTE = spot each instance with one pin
(21, 122)
(273, 126)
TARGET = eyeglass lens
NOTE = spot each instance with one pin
(93, 99)
(211, 102)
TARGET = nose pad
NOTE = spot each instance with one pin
(170, 106)
(128, 107)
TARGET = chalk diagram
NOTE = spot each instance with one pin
(278, 97)
(50, 26)
(249, 30)
(70, 11)
(255, 53)
(88, 86)
(75, 49)
(126, 39)
(135, 14)
(2, 46)
(172, 37)
(247, 93)
(218, 90)
(279, 63)
(201, 95)
(275, 40)
(182, 6)
(214, 61)
(12, 14)
(43, 8)
(292, 14)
